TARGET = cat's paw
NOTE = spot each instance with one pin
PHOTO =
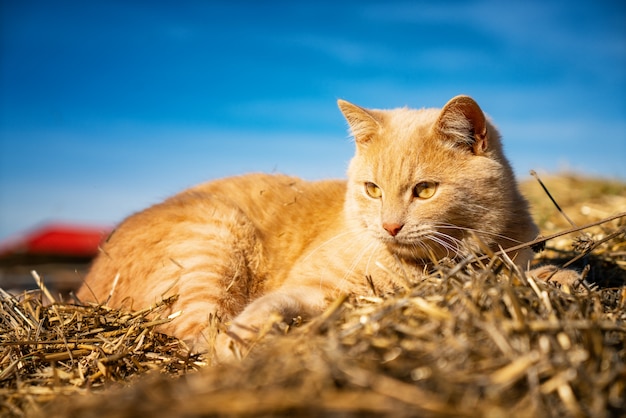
(560, 277)
(228, 349)
(239, 339)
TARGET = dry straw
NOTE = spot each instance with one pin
(475, 338)
(47, 350)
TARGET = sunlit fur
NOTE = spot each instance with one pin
(245, 247)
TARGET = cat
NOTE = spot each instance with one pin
(420, 185)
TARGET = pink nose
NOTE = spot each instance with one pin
(392, 228)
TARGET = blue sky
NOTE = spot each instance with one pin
(109, 106)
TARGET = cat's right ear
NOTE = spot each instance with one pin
(363, 123)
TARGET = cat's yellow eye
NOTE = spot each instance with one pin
(425, 189)
(373, 190)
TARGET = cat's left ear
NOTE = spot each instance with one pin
(462, 120)
(363, 123)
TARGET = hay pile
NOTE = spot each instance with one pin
(66, 349)
(583, 201)
(471, 339)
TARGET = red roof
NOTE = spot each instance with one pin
(57, 239)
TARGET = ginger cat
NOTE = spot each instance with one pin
(421, 182)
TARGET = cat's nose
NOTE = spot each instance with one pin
(392, 228)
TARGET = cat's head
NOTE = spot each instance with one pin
(422, 180)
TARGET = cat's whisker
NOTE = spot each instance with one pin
(370, 247)
(450, 244)
(330, 270)
(447, 247)
(329, 241)
(369, 260)
(479, 231)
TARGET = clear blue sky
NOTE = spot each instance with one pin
(109, 106)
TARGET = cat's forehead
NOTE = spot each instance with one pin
(411, 119)
(405, 150)
(409, 131)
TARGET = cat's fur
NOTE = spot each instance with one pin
(246, 247)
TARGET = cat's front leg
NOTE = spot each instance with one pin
(282, 305)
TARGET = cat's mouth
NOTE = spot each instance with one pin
(421, 248)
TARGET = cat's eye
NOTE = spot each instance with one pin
(425, 189)
(373, 190)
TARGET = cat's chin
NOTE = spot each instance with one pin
(409, 252)
(417, 251)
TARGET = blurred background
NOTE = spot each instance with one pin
(109, 106)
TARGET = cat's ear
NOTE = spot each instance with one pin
(364, 124)
(462, 120)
